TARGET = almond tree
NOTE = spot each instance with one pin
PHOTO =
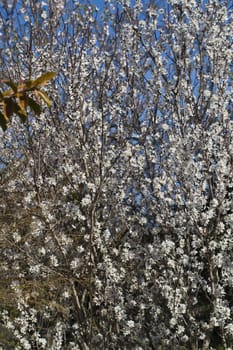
(116, 230)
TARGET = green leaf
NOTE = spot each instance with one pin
(22, 115)
(34, 106)
(11, 84)
(44, 78)
(28, 84)
(21, 112)
(9, 107)
(13, 107)
(44, 97)
(3, 122)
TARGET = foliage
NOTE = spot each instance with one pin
(116, 203)
(17, 99)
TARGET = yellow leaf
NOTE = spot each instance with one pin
(7, 93)
(44, 78)
(44, 97)
(22, 101)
